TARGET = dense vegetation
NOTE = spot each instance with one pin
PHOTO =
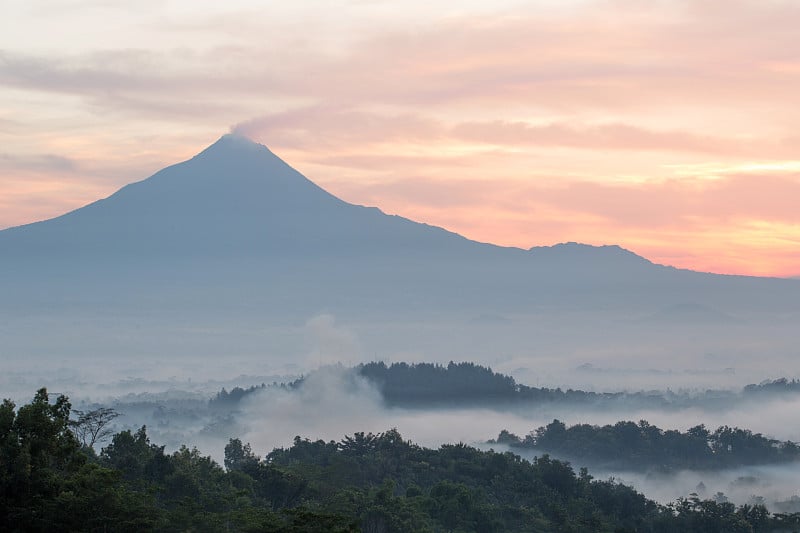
(777, 386)
(227, 400)
(366, 482)
(403, 384)
(406, 384)
(468, 384)
(643, 446)
(429, 384)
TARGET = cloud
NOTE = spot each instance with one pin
(37, 163)
(321, 128)
(600, 105)
(736, 220)
(331, 343)
(121, 81)
(335, 401)
(606, 136)
(330, 403)
(651, 204)
(325, 127)
(593, 56)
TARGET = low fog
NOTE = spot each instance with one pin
(588, 351)
(170, 394)
(333, 402)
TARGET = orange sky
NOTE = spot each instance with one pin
(669, 128)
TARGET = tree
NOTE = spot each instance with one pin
(46, 482)
(239, 456)
(91, 427)
(359, 444)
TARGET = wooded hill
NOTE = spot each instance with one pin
(366, 482)
(643, 446)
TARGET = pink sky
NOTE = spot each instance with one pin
(669, 128)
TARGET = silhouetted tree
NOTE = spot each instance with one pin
(92, 427)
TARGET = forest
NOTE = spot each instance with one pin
(468, 384)
(430, 384)
(644, 446)
(51, 481)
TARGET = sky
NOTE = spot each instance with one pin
(669, 127)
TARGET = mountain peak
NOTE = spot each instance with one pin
(234, 175)
(237, 149)
(238, 197)
(237, 164)
(234, 142)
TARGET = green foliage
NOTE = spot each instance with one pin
(239, 456)
(376, 483)
(645, 446)
(47, 482)
(422, 383)
(225, 399)
(425, 384)
(776, 386)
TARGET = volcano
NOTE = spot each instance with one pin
(235, 232)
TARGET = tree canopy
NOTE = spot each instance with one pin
(365, 482)
(643, 446)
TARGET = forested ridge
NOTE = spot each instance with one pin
(431, 384)
(426, 384)
(365, 482)
(465, 383)
(643, 446)
(469, 384)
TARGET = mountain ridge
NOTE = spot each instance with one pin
(258, 176)
(205, 254)
(236, 177)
